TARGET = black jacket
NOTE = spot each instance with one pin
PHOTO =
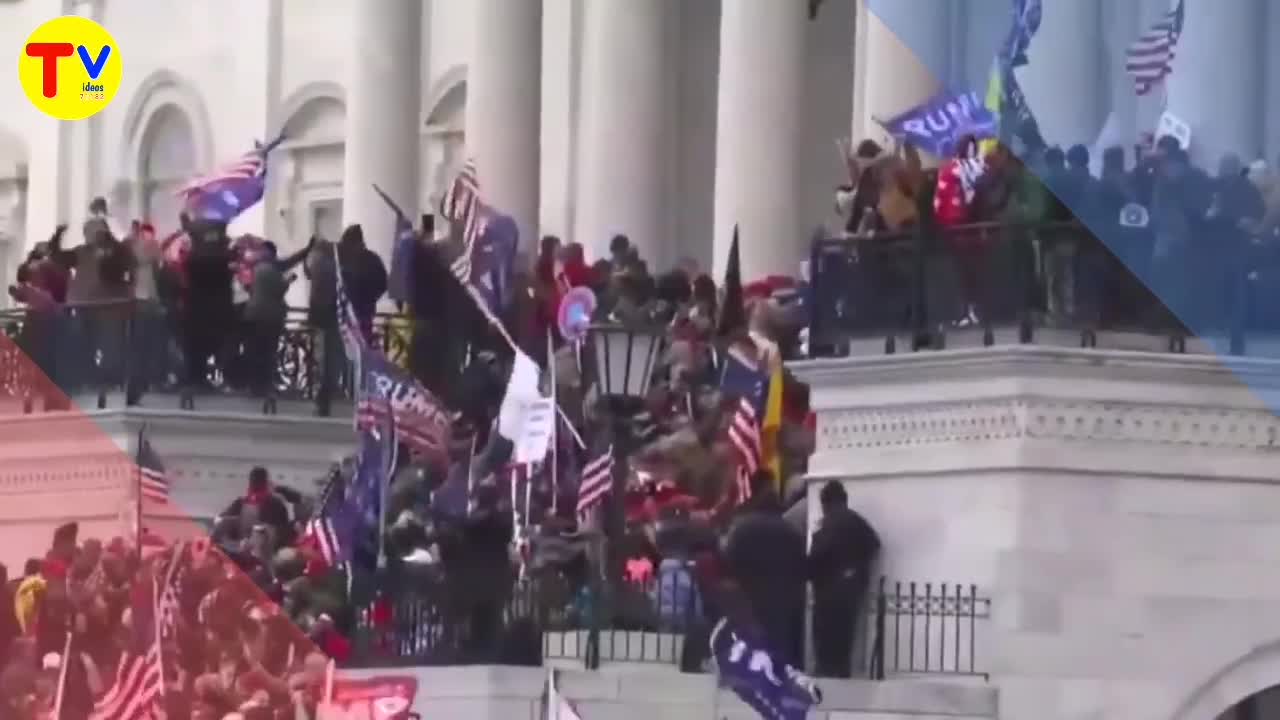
(845, 541)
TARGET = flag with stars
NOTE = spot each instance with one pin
(771, 687)
(225, 193)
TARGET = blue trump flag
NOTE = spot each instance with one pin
(227, 192)
(400, 279)
(493, 260)
(769, 686)
(741, 375)
(1027, 15)
(937, 124)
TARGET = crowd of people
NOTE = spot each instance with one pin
(260, 610)
(75, 617)
(1074, 239)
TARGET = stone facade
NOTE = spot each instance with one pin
(1120, 509)
(58, 467)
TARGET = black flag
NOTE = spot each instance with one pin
(733, 312)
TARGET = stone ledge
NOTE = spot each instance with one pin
(481, 691)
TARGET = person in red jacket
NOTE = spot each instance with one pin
(952, 202)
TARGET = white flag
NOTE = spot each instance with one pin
(522, 387)
(537, 425)
(558, 707)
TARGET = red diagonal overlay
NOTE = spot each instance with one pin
(223, 642)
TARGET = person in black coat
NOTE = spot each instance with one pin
(841, 558)
(208, 314)
(765, 555)
(364, 276)
(268, 508)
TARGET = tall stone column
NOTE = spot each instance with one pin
(1271, 95)
(906, 58)
(504, 108)
(1064, 80)
(383, 114)
(1217, 79)
(624, 134)
(759, 122)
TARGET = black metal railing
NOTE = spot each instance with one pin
(543, 619)
(925, 628)
(915, 287)
(140, 347)
(912, 628)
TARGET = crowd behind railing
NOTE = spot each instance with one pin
(1158, 245)
(485, 577)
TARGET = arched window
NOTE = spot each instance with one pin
(167, 160)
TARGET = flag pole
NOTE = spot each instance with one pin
(555, 426)
(502, 331)
(62, 677)
(388, 472)
(471, 471)
(137, 487)
(155, 615)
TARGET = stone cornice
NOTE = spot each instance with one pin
(1033, 362)
(1052, 409)
(1046, 418)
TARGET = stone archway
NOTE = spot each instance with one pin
(156, 99)
(309, 176)
(166, 160)
(445, 134)
(1253, 676)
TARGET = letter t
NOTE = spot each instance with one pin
(49, 53)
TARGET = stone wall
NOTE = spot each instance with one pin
(1121, 511)
(508, 693)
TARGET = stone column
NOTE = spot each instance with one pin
(383, 114)
(1271, 95)
(759, 121)
(1064, 80)
(913, 39)
(504, 81)
(624, 138)
(1217, 79)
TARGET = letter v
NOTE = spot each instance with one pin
(94, 67)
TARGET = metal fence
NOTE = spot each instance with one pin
(914, 628)
(909, 291)
(926, 628)
(139, 347)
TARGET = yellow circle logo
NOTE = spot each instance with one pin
(70, 68)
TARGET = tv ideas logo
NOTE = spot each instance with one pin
(70, 68)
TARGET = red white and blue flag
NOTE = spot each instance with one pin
(230, 189)
(1150, 58)
(597, 481)
(744, 435)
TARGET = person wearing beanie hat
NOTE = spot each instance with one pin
(64, 541)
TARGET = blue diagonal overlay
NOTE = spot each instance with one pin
(1189, 224)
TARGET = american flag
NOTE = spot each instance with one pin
(744, 433)
(251, 164)
(169, 594)
(322, 530)
(348, 323)
(1150, 58)
(597, 481)
(462, 205)
(153, 483)
(138, 689)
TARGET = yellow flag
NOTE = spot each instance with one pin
(399, 335)
(994, 102)
(771, 428)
